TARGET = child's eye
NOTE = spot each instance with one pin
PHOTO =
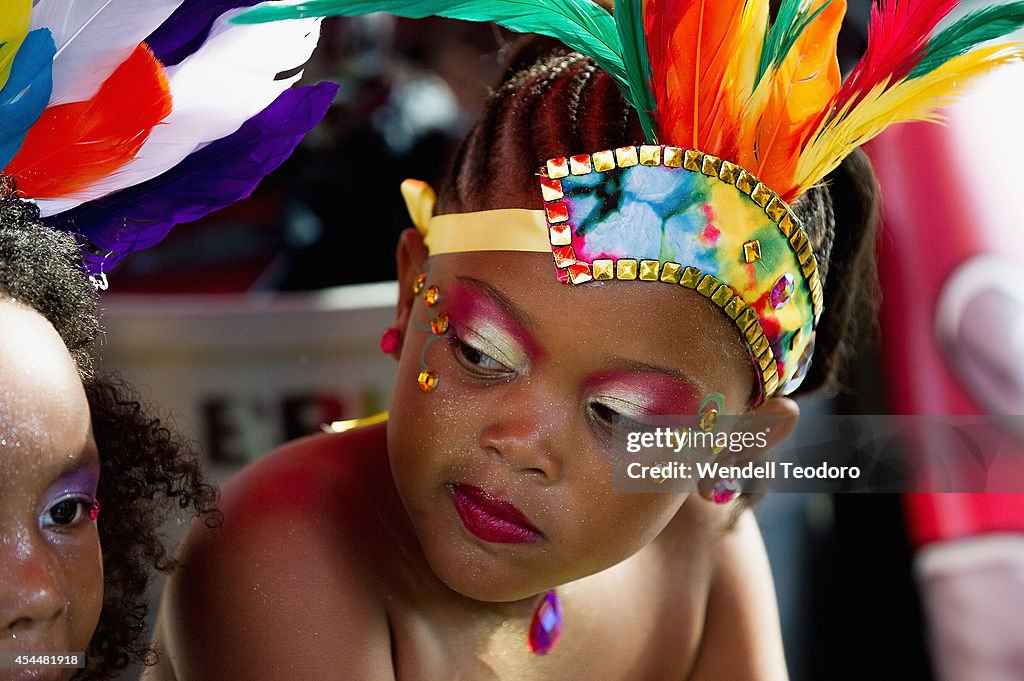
(476, 360)
(613, 418)
(70, 511)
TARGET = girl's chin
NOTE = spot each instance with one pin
(484, 578)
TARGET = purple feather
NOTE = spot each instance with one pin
(216, 176)
(188, 27)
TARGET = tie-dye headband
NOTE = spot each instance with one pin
(764, 97)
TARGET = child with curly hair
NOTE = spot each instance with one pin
(88, 475)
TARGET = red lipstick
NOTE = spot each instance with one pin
(490, 518)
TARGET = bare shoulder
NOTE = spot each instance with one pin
(286, 587)
(741, 638)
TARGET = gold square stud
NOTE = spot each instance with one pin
(776, 209)
(745, 182)
(692, 160)
(722, 296)
(734, 307)
(671, 272)
(650, 155)
(691, 277)
(649, 270)
(746, 319)
(752, 251)
(729, 172)
(788, 224)
(804, 255)
(626, 157)
(711, 165)
(810, 266)
(759, 345)
(625, 269)
(798, 240)
(761, 195)
(604, 269)
(673, 157)
(708, 285)
(604, 161)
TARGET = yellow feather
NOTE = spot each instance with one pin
(908, 100)
(14, 22)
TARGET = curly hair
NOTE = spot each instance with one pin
(147, 475)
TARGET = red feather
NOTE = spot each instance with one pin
(73, 145)
(898, 33)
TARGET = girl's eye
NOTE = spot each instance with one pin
(477, 360)
(620, 418)
(70, 511)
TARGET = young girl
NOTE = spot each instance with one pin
(118, 120)
(87, 474)
(476, 534)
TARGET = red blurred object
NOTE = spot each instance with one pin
(952, 203)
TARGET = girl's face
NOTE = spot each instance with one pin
(51, 572)
(505, 467)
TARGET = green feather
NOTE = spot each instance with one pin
(581, 25)
(630, 23)
(967, 33)
(790, 22)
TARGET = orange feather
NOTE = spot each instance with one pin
(73, 145)
(801, 89)
(690, 43)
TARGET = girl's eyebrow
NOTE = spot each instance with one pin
(519, 321)
(501, 300)
(80, 470)
(638, 367)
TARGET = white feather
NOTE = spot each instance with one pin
(230, 79)
(93, 38)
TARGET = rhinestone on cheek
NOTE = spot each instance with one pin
(427, 380)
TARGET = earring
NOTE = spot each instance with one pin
(546, 626)
(390, 340)
(723, 492)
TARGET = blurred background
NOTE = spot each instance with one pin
(261, 323)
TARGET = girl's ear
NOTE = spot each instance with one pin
(411, 259)
(783, 414)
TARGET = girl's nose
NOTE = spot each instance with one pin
(31, 597)
(524, 432)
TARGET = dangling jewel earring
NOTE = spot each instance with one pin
(724, 491)
(390, 340)
(546, 627)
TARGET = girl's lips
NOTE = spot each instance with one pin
(490, 518)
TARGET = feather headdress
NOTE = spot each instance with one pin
(742, 113)
(724, 78)
(121, 118)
